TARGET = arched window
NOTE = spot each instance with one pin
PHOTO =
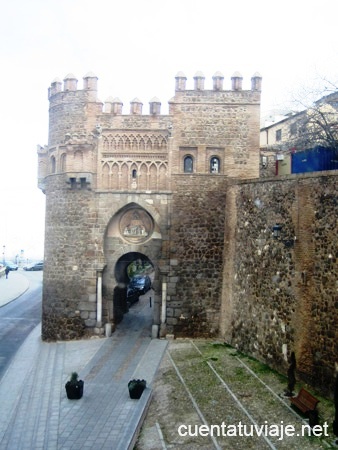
(53, 164)
(215, 165)
(63, 162)
(134, 173)
(188, 164)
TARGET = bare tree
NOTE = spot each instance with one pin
(317, 126)
(317, 123)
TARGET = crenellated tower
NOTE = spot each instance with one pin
(215, 130)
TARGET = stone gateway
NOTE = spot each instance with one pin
(180, 196)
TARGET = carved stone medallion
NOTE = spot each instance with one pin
(136, 225)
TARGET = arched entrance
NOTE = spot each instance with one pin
(134, 273)
(130, 264)
(132, 247)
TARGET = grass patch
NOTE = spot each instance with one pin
(221, 345)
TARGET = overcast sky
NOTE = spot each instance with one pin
(136, 48)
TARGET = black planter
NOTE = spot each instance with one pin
(136, 388)
(74, 390)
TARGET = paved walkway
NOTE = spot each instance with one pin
(12, 287)
(35, 412)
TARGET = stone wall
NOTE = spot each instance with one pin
(83, 239)
(69, 271)
(223, 124)
(196, 255)
(219, 270)
(280, 293)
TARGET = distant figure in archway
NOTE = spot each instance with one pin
(120, 303)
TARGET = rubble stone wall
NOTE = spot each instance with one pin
(77, 247)
(196, 255)
(280, 293)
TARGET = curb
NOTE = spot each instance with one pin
(24, 284)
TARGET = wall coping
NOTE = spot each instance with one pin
(296, 176)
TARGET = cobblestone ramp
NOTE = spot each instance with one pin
(35, 412)
(106, 417)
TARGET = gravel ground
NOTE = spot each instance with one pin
(210, 386)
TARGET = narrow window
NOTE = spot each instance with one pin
(293, 128)
(278, 135)
(63, 163)
(214, 165)
(134, 173)
(53, 164)
(188, 164)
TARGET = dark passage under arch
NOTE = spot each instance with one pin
(121, 267)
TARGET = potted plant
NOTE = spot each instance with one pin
(74, 387)
(136, 388)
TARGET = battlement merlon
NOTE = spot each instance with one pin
(80, 111)
(218, 81)
(70, 92)
(218, 95)
(70, 85)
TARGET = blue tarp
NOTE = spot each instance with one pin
(314, 160)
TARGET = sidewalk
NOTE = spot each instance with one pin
(35, 412)
(12, 287)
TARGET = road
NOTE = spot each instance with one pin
(19, 318)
